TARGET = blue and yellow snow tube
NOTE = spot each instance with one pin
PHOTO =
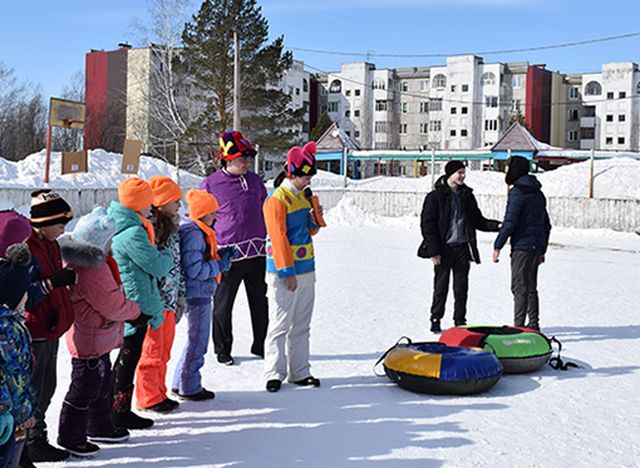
(440, 369)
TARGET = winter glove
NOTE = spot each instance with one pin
(231, 252)
(180, 309)
(64, 277)
(140, 321)
(6, 427)
(224, 263)
(155, 322)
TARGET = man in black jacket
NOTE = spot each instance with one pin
(450, 217)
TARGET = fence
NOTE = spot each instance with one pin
(591, 213)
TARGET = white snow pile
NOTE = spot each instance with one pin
(104, 171)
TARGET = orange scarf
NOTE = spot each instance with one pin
(148, 226)
(210, 239)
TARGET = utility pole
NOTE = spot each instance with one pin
(236, 82)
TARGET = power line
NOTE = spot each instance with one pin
(485, 52)
(509, 103)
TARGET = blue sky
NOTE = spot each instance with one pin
(45, 42)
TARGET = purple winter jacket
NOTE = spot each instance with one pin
(240, 222)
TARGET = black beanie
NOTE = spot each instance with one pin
(49, 208)
(14, 275)
(517, 167)
(452, 167)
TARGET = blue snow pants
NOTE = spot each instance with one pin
(187, 379)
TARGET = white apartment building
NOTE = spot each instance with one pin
(611, 114)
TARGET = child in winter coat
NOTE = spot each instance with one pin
(202, 264)
(290, 273)
(526, 222)
(140, 265)
(100, 308)
(151, 390)
(17, 400)
(49, 313)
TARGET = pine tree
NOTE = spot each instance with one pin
(520, 118)
(266, 118)
(323, 124)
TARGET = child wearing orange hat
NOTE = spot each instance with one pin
(151, 390)
(140, 264)
(202, 264)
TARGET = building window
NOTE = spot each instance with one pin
(488, 79)
(379, 83)
(347, 113)
(435, 125)
(593, 88)
(357, 92)
(333, 106)
(405, 107)
(609, 141)
(609, 117)
(424, 85)
(297, 91)
(347, 92)
(574, 93)
(622, 95)
(452, 133)
(610, 95)
(356, 113)
(381, 126)
(439, 81)
(587, 133)
(515, 105)
(348, 132)
(491, 101)
(638, 88)
(453, 88)
(356, 133)
(435, 104)
(403, 129)
(323, 109)
(465, 88)
(405, 86)
(381, 105)
(464, 110)
(622, 117)
(335, 87)
(463, 132)
(573, 114)
(424, 107)
(491, 125)
(516, 82)
(454, 110)
(621, 140)
(572, 135)
(424, 128)
(305, 85)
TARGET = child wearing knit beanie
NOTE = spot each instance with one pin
(151, 390)
(141, 265)
(202, 263)
(100, 309)
(17, 399)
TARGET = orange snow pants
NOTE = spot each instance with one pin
(152, 367)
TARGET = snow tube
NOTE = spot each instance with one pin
(519, 349)
(440, 369)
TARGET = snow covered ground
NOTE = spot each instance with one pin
(371, 290)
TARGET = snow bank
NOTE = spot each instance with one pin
(104, 171)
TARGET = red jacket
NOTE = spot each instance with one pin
(52, 317)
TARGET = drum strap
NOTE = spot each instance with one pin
(387, 352)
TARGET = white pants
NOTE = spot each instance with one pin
(289, 323)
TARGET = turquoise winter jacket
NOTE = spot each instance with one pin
(140, 264)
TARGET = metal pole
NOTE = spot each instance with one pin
(48, 157)
(433, 167)
(177, 162)
(591, 160)
(236, 82)
(256, 162)
(345, 159)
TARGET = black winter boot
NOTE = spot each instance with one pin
(435, 326)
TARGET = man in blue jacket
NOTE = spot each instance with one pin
(527, 223)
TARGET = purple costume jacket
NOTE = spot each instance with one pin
(240, 222)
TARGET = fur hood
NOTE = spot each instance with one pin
(79, 253)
